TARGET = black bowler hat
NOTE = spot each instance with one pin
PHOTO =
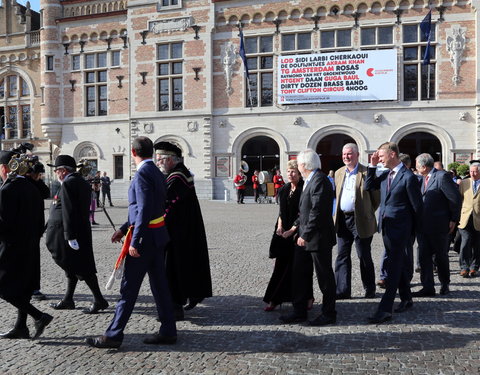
(5, 156)
(474, 161)
(167, 148)
(64, 161)
(38, 168)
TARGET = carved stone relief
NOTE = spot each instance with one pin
(229, 56)
(456, 41)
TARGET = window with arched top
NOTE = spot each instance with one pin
(15, 102)
(87, 151)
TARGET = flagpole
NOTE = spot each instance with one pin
(428, 81)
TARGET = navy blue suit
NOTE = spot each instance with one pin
(146, 197)
(399, 206)
(441, 205)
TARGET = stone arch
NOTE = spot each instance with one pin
(179, 141)
(447, 142)
(240, 140)
(360, 139)
(87, 150)
(24, 75)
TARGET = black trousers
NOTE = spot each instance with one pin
(470, 248)
(107, 194)
(347, 235)
(240, 195)
(433, 246)
(303, 264)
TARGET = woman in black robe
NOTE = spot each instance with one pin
(279, 288)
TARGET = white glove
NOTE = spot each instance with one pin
(73, 244)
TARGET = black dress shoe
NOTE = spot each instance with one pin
(424, 293)
(159, 339)
(444, 290)
(96, 307)
(192, 302)
(343, 296)
(292, 318)
(404, 306)
(370, 294)
(16, 333)
(380, 317)
(322, 320)
(103, 342)
(63, 305)
(40, 325)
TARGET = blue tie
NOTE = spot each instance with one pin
(475, 186)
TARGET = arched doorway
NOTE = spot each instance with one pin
(418, 143)
(261, 153)
(330, 150)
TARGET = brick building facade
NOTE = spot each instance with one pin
(171, 70)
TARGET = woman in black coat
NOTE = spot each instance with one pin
(279, 288)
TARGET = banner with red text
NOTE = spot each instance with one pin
(347, 76)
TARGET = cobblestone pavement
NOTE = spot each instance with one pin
(231, 334)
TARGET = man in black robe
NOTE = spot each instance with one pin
(35, 177)
(69, 235)
(21, 225)
(187, 262)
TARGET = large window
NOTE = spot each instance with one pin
(374, 37)
(418, 79)
(170, 76)
(95, 80)
(336, 39)
(259, 50)
(14, 108)
(297, 42)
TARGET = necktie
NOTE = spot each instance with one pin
(426, 183)
(390, 179)
(475, 186)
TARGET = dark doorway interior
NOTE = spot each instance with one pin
(260, 153)
(418, 143)
(330, 150)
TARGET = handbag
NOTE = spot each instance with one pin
(279, 246)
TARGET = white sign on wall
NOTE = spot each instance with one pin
(338, 77)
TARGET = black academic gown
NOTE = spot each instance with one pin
(69, 220)
(187, 262)
(44, 191)
(21, 224)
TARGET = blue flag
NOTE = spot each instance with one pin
(426, 29)
(243, 54)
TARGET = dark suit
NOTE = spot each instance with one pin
(146, 197)
(441, 205)
(316, 228)
(399, 206)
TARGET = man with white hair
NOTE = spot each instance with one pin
(441, 211)
(355, 222)
(314, 244)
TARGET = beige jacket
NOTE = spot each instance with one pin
(471, 204)
(366, 202)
